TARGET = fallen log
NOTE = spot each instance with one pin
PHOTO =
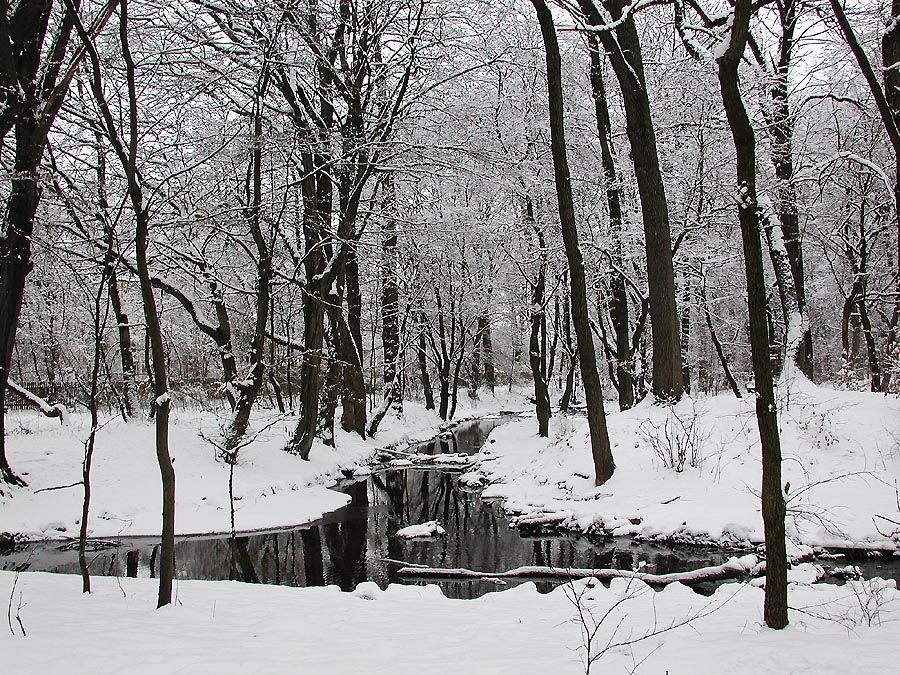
(55, 410)
(732, 569)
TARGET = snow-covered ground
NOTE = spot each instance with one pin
(228, 627)
(841, 463)
(272, 488)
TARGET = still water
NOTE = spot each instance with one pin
(358, 543)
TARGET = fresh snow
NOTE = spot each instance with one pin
(229, 627)
(272, 488)
(841, 464)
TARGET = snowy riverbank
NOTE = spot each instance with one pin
(229, 627)
(272, 488)
(841, 463)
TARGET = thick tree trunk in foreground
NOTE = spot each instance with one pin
(15, 260)
(773, 506)
(593, 394)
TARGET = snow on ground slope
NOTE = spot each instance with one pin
(841, 460)
(272, 488)
(228, 627)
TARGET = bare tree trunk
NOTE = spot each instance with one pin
(130, 404)
(537, 347)
(423, 365)
(487, 352)
(781, 131)
(93, 407)
(624, 52)
(600, 447)
(34, 74)
(15, 260)
(390, 306)
(773, 505)
(127, 153)
(572, 357)
(717, 344)
(353, 383)
(686, 333)
(618, 300)
(248, 390)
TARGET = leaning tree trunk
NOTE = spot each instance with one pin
(248, 390)
(773, 503)
(587, 358)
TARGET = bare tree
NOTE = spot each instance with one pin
(601, 450)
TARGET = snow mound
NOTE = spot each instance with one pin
(430, 529)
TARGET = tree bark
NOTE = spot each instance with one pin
(773, 504)
(618, 298)
(537, 346)
(624, 52)
(487, 351)
(390, 309)
(600, 446)
(423, 364)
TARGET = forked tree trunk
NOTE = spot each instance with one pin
(587, 358)
(248, 390)
(127, 153)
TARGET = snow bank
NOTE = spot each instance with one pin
(841, 463)
(228, 627)
(271, 487)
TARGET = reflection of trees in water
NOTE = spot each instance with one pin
(346, 542)
(351, 545)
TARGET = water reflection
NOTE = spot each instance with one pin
(358, 543)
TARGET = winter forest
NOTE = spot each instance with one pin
(419, 336)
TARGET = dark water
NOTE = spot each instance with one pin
(355, 543)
